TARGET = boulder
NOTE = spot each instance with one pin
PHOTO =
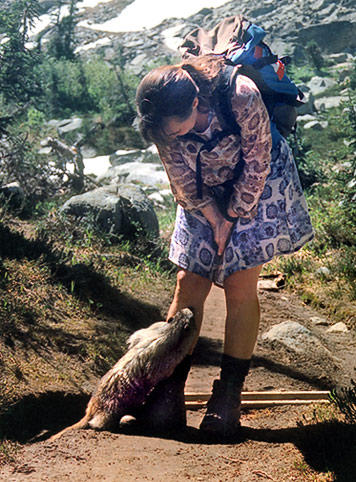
(12, 194)
(339, 57)
(318, 321)
(325, 103)
(138, 64)
(332, 37)
(303, 119)
(66, 125)
(117, 210)
(295, 346)
(344, 71)
(148, 174)
(338, 328)
(316, 125)
(323, 272)
(161, 198)
(88, 152)
(122, 156)
(317, 84)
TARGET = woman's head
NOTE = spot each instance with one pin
(165, 92)
(171, 92)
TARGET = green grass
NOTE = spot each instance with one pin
(67, 308)
(8, 451)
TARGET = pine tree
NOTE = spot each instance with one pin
(62, 43)
(17, 61)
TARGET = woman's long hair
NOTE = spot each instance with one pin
(169, 91)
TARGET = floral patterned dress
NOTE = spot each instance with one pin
(267, 197)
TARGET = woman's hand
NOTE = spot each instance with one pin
(221, 227)
(222, 234)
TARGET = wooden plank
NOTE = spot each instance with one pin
(267, 395)
(286, 395)
(250, 404)
(263, 399)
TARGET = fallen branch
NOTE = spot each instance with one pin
(260, 473)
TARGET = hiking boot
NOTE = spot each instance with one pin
(222, 417)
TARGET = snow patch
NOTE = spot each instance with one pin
(142, 14)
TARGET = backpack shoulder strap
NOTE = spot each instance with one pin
(222, 99)
(207, 145)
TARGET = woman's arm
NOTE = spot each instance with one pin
(256, 143)
(183, 185)
(182, 179)
(221, 227)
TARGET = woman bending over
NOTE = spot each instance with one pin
(265, 216)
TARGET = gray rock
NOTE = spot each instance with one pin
(295, 346)
(338, 328)
(317, 321)
(306, 118)
(45, 150)
(53, 123)
(117, 210)
(331, 36)
(317, 85)
(293, 335)
(325, 103)
(344, 71)
(316, 125)
(323, 271)
(351, 183)
(138, 155)
(161, 198)
(137, 65)
(12, 194)
(69, 125)
(148, 174)
(340, 57)
(122, 156)
(88, 151)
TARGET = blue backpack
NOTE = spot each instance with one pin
(240, 43)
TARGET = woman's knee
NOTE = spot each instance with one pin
(192, 285)
(241, 287)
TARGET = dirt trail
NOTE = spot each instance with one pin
(276, 448)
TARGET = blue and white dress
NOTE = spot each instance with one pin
(267, 198)
(282, 226)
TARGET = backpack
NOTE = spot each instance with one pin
(240, 43)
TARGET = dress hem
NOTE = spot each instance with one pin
(253, 265)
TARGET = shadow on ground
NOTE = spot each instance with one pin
(208, 352)
(81, 280)
(328, 446)
(27, 419)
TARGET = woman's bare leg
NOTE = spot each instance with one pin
(191, 292)
(242, 313)
(241, 328)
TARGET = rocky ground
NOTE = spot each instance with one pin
(288, 443)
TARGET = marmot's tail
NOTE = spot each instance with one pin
(83, 423)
